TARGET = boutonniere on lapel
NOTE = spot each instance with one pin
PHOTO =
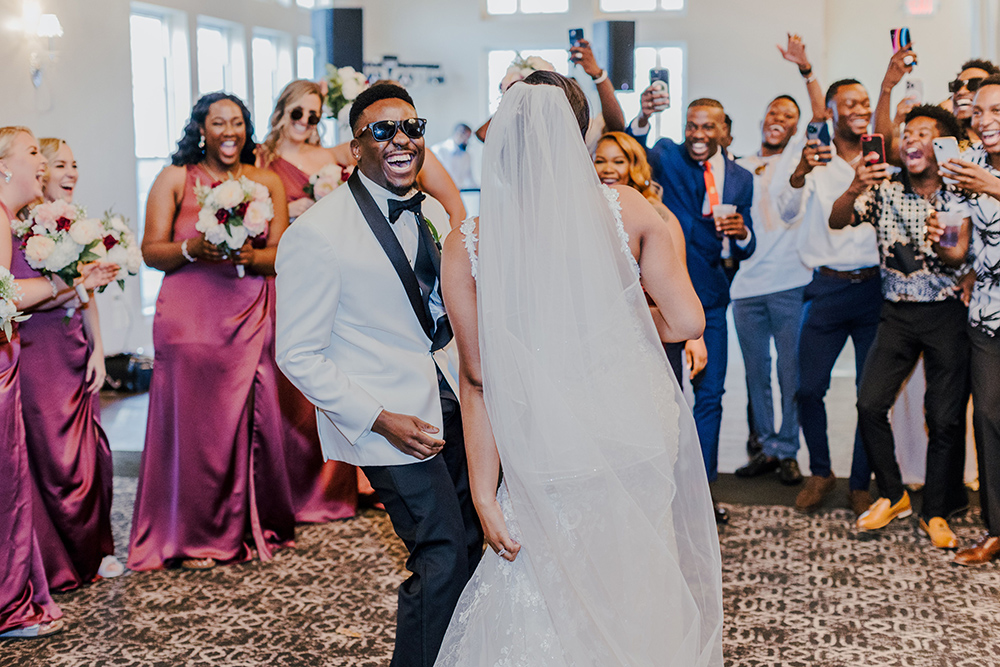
(434, 232)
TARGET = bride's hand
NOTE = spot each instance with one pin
(495, 529)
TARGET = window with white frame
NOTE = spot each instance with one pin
(161, 104)
(670, 122)
(222, 63)
(640, 5)
(272, 69)
(527, 6)
(499, 61)
(305, 60)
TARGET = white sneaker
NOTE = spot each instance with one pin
(110, 568)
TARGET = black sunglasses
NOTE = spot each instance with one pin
(297, 113)
(384, 130)
(972, 84)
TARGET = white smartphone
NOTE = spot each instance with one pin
(946, 148)
(915, 89)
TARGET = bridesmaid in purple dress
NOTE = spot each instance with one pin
(212, 482)
(62, 370)
(26, 610)
(321, 491)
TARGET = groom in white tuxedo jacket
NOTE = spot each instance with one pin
(360, 327)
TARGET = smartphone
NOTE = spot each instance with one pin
(915, 89)
(946, 148)
(575, 37)
(873, 143)
(901, 40)
(661, 74)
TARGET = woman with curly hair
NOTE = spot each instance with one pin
(212, 482)
(621, 160)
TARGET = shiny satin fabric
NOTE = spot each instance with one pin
(68, 451)
(212, 481)
(321, 491)
(24, 590)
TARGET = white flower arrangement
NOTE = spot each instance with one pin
(521, 67)
(343, 85)
(119, 246)
(57, 238)
(326, 180)
(9, 293)
(233, 211)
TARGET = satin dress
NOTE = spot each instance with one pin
(212, 480)
(321, 491)
(67, 449)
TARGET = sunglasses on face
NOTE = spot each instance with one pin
(972, 84)
(384, 130)
(297, 113)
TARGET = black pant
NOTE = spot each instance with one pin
(986, 421)
(938, 330)
(431, 509)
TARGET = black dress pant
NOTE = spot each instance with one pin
(986, 422)
(905, 330)
(431, 509)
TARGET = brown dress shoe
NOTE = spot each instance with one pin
(812, 494)
(985, 550)
(860, 500)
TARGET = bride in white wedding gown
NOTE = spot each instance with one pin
(608, 550)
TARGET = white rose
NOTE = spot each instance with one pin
(86, 231)
(352, 83)
(228, 194)
(134, 260)
(118, 255)
(7, 309)
(118, 223)
(64, 253)
(38, 250)
(206, 221)
(541, 64)
(235, 238)
(261, 193)
(256, 217)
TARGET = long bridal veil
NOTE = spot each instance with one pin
(608, 496)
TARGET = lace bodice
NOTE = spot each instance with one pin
(468, 229)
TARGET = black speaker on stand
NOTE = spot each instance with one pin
(338, 33)
(614, 48)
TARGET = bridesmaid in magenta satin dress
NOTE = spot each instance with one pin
(212, 484)
(62, 370)
(26, 609)
(321, 491)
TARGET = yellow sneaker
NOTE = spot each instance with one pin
(941, 536)
(881, 513)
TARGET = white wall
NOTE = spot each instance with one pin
(730, 47)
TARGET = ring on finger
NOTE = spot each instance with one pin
(501, 552)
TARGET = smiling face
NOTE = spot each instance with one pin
(961, 101)
(612, 164)
(225, 132)
(916, 149)
(986, 117)
(779, 125)
(392, 164)
(299, 131)
(851, 111)
(62, 175)
(26, 165)
(702, 132)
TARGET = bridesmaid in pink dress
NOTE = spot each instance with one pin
(321, 491)
(212, 483)
(62, 370)
(26, 610)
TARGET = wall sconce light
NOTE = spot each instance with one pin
(48, 29)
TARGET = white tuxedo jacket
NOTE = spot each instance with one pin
(347, 335)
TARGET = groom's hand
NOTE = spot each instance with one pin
(408, 434)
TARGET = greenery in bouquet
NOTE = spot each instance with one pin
(343, 85)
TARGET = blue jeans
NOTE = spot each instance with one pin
(758, 319)
(709, 386)
(835, 308)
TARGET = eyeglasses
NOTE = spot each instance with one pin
(384, 130)
(972, 84)
(297, 113)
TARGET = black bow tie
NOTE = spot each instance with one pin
(397, 206)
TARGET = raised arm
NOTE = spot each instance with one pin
(459, 290)
(884, 124)
(435, 181)
(795, 52)
(614, 118)
(858, 203)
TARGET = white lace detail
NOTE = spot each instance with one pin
(616, 209)
(468, 229)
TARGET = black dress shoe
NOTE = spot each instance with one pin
(754, 446)
(789, 473)
(760, 464)
(721, 515)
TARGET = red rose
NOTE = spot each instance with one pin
(222, 215)
(110, 242)
(241, 210)
(63, 224)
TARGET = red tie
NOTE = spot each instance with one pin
(713, 193)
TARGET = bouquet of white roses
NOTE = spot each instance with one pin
(9, 293)
(57, 238)
(118, 245)
(520, 68)
(233, 211)
(326, 180)
(342, 86)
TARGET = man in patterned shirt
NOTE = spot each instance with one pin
(979, 173)
(921, 314)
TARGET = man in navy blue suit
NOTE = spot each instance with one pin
(695, 177)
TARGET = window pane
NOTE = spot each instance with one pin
(496, 66)
(306, 62)
(149, 279)
(544, 6)
(265, 62)
(501, 6)
(630, 5)
(213, 58)
(238, 69)
(150, 49)
(672, 120)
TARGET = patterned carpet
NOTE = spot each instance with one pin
(800, 591)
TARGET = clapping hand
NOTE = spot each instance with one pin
(495, 530)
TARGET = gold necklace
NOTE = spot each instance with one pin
(239, 171)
